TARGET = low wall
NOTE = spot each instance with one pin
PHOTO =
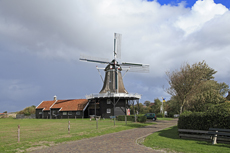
(22, 116)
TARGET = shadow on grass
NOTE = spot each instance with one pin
(172, 133)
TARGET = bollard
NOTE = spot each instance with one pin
(18, 133)
(214, 138)
(125, 120)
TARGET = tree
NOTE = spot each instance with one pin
(184, 83)
(147, 103)
(156, 107)
(172, 106)
(210, 93)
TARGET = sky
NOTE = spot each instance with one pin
(41, 43)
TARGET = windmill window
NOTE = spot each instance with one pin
(64, 113)
(108, 101)
(69, 113)
(108, 110)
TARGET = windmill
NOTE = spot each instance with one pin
(113, 88)
(113, 80)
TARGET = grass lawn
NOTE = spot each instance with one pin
(165, 119)
(47, 132)
(169, 140)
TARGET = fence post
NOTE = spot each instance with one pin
(96, 123)
(18, 133)
(69, 128)
(75, 117)
(125, 120)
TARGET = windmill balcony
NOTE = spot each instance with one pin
(118, 95)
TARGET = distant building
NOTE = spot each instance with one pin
(70, 108)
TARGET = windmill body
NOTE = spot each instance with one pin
(113, 99)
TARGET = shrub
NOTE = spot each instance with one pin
(140, 118)
(28, 110)
(129, 118)
(160, 115)
(217, 116)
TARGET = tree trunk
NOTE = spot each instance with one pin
(181, 109)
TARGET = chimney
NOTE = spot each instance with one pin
(55, 98)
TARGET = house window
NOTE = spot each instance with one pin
(108, 110)
(69, 113)
(49, 113)
(40, 113)
(108, 101)
(54, 112)
(78, 113)
(64, 113)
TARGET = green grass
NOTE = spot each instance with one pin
(46, 132)
(165, 119)
(169, 140)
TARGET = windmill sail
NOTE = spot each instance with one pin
(117, 45)
(113, 82)
(94, 59)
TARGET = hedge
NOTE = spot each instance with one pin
(160, 115)
(140, 118)
(216, 117)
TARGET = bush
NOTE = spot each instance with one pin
(160, 115)
(140, 118)
(28, 110)
(217, 116)
(129, 118)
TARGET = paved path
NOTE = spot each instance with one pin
(124, 141)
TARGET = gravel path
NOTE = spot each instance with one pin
(124, 141)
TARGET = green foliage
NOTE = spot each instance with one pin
(172, 106)
(159, 115)
(147, 103)
(129, 118)
(28, 110)
(194, 87)
(140, 118)
(217, 116)
(156, 107)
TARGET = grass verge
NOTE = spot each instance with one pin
(38, 133)
(169, 140)
(165, 119)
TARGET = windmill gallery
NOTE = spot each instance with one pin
(112, 100)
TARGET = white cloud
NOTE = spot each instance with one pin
(59, 31)
(202, 12)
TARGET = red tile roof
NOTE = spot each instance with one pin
(64, 105)
(71, 105)
(46, 105)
